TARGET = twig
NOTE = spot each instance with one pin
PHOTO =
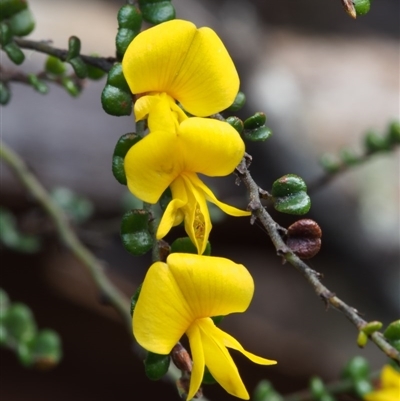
(309, 274)
(104, 63)
(118, 300)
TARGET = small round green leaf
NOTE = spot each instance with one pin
(70, 86)
(116, 78)
(5, 94)
(238, 103)
(258, 134)
(157, 11)
(46, 349)
(14, 53)
(116, 101)
(156, 366)
(38, 84)
(10, 7)
(394, 132)
(19, 323)
(330, 163)
(135, 234)
(375, 143)
(317, 387)
(362, 6)
(297, 204)
(356, 369)
(255, 121)
(129, 24)
(55, 66)
(236, 123)
(74, 47)
(289, 184)
(121, 149)
(22, 23)
(79, 66)
(362, 387)
(185, 245)
(392, 332)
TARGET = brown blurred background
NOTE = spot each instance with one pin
(323, 80)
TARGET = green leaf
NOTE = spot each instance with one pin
(362, 6)
(121, 149)
(19, 323)
(208, 378)
(78, 208)
(238, 103)
(74, 47)
(156, 366)
(14, 53)
(135, 298)
(135, 234)
(255, 121)
(46, 349)
(392, 332)
(38, 84)
(129, 25)
(356, 369)
(10, 7)
(70, 86)
(116, 78)
(79, 66)
(265, 391)
(22, 23)
(116, 101)
(185, 245)
(236, 123)
(5, 94)
(55, 66)
(157, 11)
(375, 143)
(258, 134)
(393, 134)
(290, 196)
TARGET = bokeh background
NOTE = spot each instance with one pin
(323, 80)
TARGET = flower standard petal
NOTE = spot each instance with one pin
(208, 81)
(208, 284)
(191, 65)
(161, 314)
(154, 58)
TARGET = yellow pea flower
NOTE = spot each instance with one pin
(389, 389)
(188, 65)
(164, 159)
(180, 296)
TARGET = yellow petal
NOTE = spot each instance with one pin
(162, 112)
(218, 146)
(174, 213)
(212, 286)
(152, 164)
(191, 65)
(161, 315)
(232, 211)
(389, 389)
(219, 362)
(196, 348)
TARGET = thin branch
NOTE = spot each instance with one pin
(309, 274)
(104, 63)
(96, 269)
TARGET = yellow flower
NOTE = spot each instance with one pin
(389, 386)
(188, 65)
(164, 159)
(179, 297)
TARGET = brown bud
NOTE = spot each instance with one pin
(183, 385)
(181, 358)
(304, 238)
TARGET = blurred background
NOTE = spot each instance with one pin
(323, 81)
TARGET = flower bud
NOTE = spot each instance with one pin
(304, 238)
(371, 327)
(181, 358)
(362, 339)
